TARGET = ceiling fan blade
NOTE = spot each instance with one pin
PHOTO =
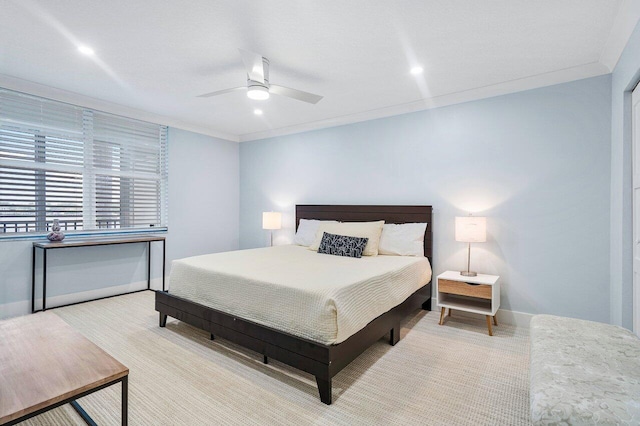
(222, 92)
(295, 94)
(254, 65)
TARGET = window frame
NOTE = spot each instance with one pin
(88, 171)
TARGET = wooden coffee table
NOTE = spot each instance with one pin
(44, 363)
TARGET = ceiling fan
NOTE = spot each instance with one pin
(258, 86)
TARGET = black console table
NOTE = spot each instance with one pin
(45, 246)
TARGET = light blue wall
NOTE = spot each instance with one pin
(203, 218)
(536, 163)
(203, 194)
(624, 78)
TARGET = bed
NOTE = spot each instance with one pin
(298, 335)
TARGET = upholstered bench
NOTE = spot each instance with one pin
(583, 372)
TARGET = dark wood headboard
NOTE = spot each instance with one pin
(390, 214)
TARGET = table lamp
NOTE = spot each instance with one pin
(471, 229)
(271, 221)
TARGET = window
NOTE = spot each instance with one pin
(95, 172)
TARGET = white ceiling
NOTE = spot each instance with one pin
(154, 57)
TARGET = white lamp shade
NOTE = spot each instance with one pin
(271, 220)
(471, 229)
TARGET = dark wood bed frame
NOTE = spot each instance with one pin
(323, 361)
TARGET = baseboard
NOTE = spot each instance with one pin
(23, 307)
(515, 318)
(15, 309)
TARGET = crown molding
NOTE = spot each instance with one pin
(623, 26)
(517, 85)
(527, 83)
(37, 89)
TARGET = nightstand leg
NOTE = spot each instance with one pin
(442, 316)
(489, 325)
(450, 311)
(495, 320)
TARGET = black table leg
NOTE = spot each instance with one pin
(87, 418)
(125, 400)
(44, 280)
(33, 279)
(149, 265)
(164, 260)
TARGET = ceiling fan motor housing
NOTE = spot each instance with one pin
(258, 90)
(265, 72)
(251, 84)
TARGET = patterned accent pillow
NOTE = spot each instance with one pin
(342, 245)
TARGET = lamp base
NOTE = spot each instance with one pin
(468, 274)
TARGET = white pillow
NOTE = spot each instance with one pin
(406, 239)
(370, 230)
(306, 234)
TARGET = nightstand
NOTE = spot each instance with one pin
(478, 295)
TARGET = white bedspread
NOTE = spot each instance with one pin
(320, 297)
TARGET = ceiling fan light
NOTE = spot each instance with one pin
(258, 93)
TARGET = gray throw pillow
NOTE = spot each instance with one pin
(342, 245)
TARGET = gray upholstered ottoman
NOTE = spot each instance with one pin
(583, 373)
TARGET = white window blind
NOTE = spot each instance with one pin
(95, 172)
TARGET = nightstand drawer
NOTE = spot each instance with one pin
(481, 291)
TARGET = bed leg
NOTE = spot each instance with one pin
(324, 387)
(163, 319)
(265, 359)
(212, 337)
(427, 305)
(394, 335)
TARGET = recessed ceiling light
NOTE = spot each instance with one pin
(86, 50)
(257, 111)
(417, 70)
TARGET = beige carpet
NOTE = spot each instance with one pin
(436, 375)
